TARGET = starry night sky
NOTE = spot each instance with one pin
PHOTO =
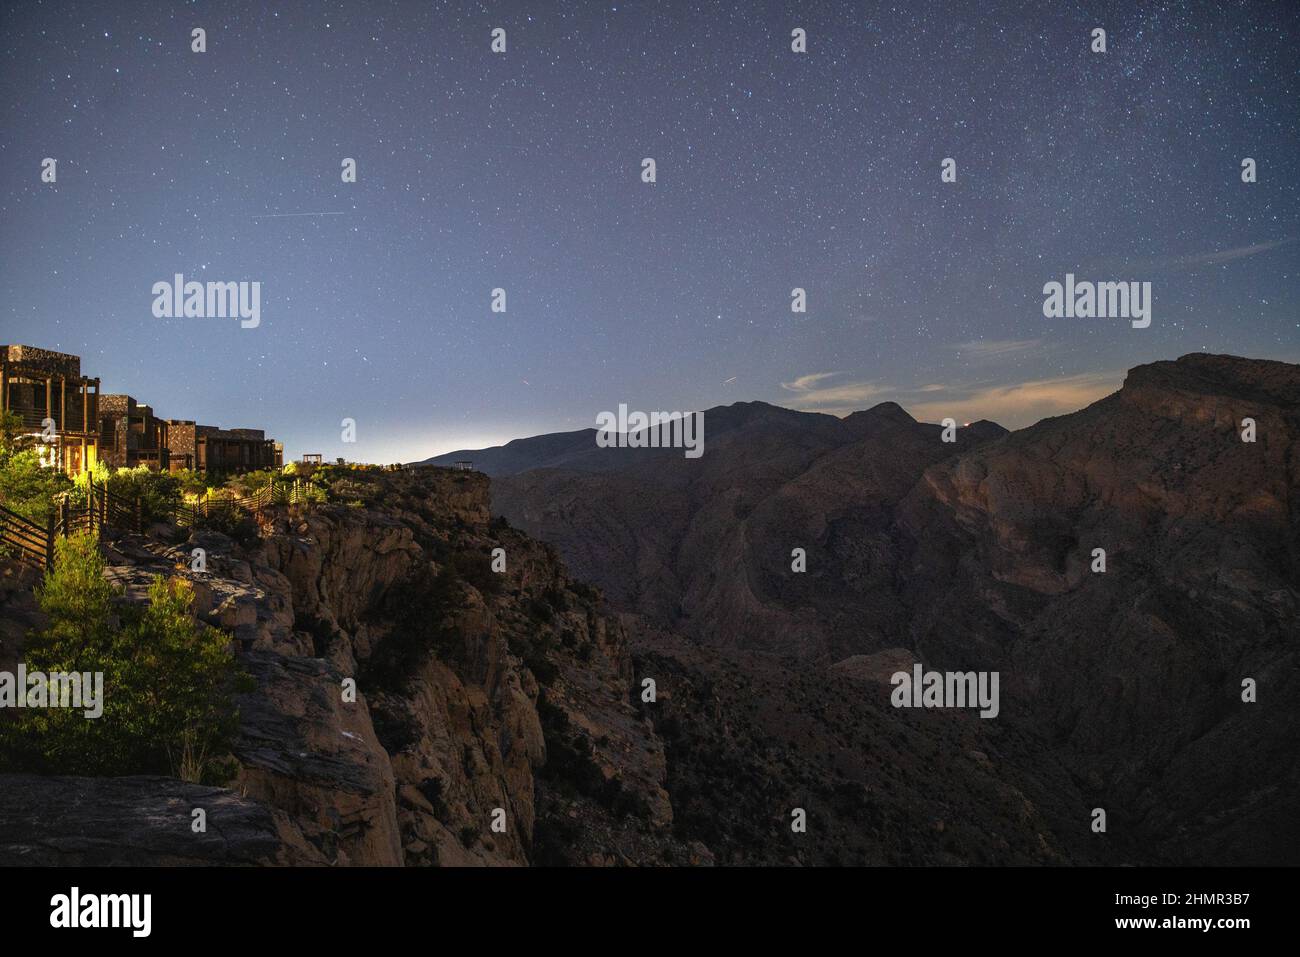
(775, 170)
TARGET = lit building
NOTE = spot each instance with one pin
(54, 403)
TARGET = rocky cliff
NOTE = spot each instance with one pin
(519, 696)
(980, 555)
(481, 697)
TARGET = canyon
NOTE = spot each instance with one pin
(520, 691)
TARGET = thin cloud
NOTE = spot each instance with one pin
(1012, 404)
(986, 349)
(810, 393)
(1018, 404)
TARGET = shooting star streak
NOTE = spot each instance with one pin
(279, 215)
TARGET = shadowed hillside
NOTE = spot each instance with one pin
(979, 555)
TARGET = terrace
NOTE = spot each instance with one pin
(53, 401)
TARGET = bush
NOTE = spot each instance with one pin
(158, 492)
(191, 482)
(27, 487)
(99, 473)
(251, 482)
(168, 682)
(231, 521)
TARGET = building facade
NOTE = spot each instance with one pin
(54, 403)
(207, 448)
(130, 435)
(73, 426)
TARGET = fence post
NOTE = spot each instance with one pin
(65, 515)
(49, 538)
(139, 515)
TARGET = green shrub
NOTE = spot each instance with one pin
(168, 682)
(191, 482)
(27, 487)
(158, 492)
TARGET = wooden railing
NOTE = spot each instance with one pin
(26, 541)
(189, 514)
(90, 510)
(95, 509)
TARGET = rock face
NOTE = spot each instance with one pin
(980, 556)
(140, 821)
(1137, 672)
(705, 545)
(491, 709)
(687, 716)
(753, 737)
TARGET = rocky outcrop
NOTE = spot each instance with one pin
(980, 555)
(408, 704)
(133, 821)
(502, 715)
(1137, 671)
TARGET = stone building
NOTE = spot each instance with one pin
(207, 448)
(54, 403)
(130, 434)
(74, 426)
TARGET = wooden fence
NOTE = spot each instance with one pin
(189, 514)
(32, 543)
(25, 540)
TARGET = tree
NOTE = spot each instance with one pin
(27, 487)
(168, 681)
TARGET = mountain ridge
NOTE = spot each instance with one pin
(982, 555)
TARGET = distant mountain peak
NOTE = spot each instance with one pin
(1211, 374)
(885, 410)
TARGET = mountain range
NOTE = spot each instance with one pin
(981, 554)
(725, 693)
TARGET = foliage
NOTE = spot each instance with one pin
(168, 682)
(311, 492)
(27, 487)
(252, 482)
(158, 492)
(99, 472)
(13, 437)
(191, 482)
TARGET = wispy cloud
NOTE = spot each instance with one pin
(811, 393)
(1012, 404)
(1018, 404)
(988, 349)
